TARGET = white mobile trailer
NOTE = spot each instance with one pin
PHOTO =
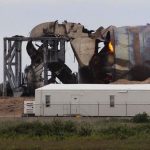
(92, 100)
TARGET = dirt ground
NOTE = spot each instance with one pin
(12, 106)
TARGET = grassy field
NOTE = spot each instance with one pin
(73, 135)
(74, 143)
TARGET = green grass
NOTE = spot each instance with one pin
(71, 135)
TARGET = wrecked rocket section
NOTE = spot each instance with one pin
(81, 42)
(130, 58)
(84, 43)
(125, 54)
(132, 52)
(104, 55)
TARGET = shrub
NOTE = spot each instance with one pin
(28, 128)
(85, 129)
(47, 129)
(141, 118)
(57, 127)
(121, 132)
(70, 127)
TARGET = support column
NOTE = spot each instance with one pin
(18, 63)
(4, 68)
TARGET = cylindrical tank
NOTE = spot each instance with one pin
(132, 49)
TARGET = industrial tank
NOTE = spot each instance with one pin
(132, 51)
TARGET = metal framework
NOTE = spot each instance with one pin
(12, 69)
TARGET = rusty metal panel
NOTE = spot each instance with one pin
(132, 45)
(121, 43)
(145, 49)
(122, 57)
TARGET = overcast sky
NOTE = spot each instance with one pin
(18, 17)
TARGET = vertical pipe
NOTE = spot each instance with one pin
(18, 60)
(16, 64)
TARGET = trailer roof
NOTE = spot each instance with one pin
(95, 87)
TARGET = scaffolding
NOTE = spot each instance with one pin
(12, 69)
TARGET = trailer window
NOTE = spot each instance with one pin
(47, 100)
(112, 101)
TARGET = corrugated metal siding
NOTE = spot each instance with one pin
(121, 43)
(132, 46)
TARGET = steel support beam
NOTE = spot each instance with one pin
(4, 68)
(13, 58)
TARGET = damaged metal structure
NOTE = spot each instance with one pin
(50, 56)
(125, 54)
